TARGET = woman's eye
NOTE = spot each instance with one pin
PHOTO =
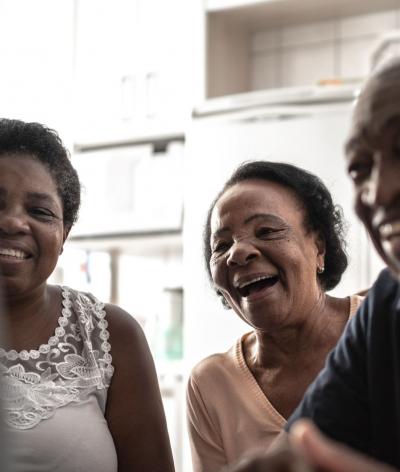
(42, 213)
(265, 232)
(220, 247)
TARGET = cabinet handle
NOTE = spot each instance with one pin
(152, 95)
(128, 97)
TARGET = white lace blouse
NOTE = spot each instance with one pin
(54, 397)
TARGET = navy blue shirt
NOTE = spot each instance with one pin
(356, 397)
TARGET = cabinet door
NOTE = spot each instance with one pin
(131, 67)
(106, 54)
(165, 40)
(129, 191)
(36, 50)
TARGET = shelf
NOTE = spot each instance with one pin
(152, 243)
(284, 97)
(153, 137)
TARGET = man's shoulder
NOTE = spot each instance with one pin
(383, 296)
(385, 284)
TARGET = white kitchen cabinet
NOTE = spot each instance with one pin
(105, 37)
(130, 189)
(259, 44)
(36, 50)
(165, 36)
(131, 69)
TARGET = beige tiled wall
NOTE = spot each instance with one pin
(305, 54)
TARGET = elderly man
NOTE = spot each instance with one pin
(355, 400)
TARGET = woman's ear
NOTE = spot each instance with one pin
(321, 250)
(66, 231)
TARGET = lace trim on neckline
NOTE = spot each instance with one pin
(63, 321)
(75, 363)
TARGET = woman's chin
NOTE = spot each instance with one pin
(264, 316)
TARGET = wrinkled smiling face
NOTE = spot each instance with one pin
(263, 260)
(373, 162)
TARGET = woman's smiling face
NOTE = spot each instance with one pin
(32, 231)
(263, 259)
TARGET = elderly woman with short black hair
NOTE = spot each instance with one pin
(273, 246)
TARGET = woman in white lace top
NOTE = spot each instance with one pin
(79, 390)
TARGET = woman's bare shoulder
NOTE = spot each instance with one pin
(127, 338)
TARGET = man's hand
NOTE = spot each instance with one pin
(280, 458)
(328, 455)
(309, 451)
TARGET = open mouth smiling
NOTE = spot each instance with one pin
(256, 284)
(13, 254)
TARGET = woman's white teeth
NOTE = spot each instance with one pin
(256, 279)
(256, 284)
(13, 253)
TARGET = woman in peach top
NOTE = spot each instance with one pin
(273, 247)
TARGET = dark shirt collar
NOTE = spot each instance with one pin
(398, 297)
(397, 300)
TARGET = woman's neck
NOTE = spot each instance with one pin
(30, 319)
(290, 344)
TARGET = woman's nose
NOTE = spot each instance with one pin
(241, 253)
(13, 221)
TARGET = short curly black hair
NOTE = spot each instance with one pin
(44, 144)
(322, 215)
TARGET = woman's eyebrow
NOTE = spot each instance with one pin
(219, 231)
(264, 216)
(42, 197)
(35, 196)
(257, 216)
